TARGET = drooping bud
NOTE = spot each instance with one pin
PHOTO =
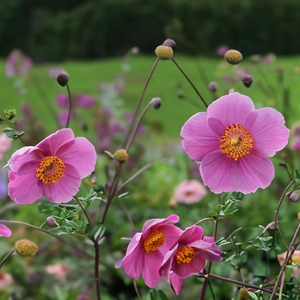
(293, 196)
(50, 221)
(233, 56)
(169, 43)
(247, 80)
(213, 86)
(121, 156)
(26, 248)
(164, 52)
(156, 102)
(62, 78)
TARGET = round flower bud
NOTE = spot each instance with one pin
(233, 57)
(164, 52)
(156, 102)
(293, 196)
(26, 248)
(247, 80)
(169, 43)
(213, 86)
(243, 294)
(62, 78)
(50, 221)
(121, 156)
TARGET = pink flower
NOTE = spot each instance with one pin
(5, 144)
(295, 257)
(53, 168)
(85, 101)
(147, 249)
(189, 191)
(5, 280)
(222, 49)
(58, 270)
(189, 256)
(233, 142)
(4, 231)
(17, 64)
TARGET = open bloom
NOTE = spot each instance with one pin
(189, 256)
(4, 231)
(147, 249)
(53, 168)
(17, 63)
(295, 259)
(5, 144)
(233, 141)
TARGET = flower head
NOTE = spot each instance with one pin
(147, 249)
(233, 141)
(233, 56)
(164, 52)
(295, 259)
(5, 279)
(26, 248)
(17, 64)
(189, 256)
(53, 168)
(4, 231)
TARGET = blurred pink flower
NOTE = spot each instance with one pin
(54, 71)
(58, 270)
(17, 64)
(147, 249)
(281, 258)
(5, 144)
(189, 256)
(233, 142)
(53, 168)
(4, 231)
(189, 191)
(5, 279)
(222, 49)
(62, 100)
(296, 145)
(85, 101)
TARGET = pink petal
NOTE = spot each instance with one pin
(166, 265)
(198, 138)
(134, 243)
(223, 174)
(81, 154)
(25, 160)
(231, 109)
(171, 235)
(207, 251)
(186, 270)
(65, 188)
(53, 142)
(268, 132)
(4, 231)
(176, 283)
(296, 145)
(147, 228)
(24, 189)
(150, 271)
(191, 234)
(133, 263)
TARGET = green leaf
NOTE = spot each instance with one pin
(158, 295)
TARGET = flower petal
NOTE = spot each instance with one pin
(79, 153)
(269, 132)
(4, 231)
(171, 235)
(133, 263)
(191, 234)
(24, 189)
(147, 227)
(53, 142)
(65, 188)
(223, 174)
(198, 138)
(230, 109)
(176, 283)
(186, 270)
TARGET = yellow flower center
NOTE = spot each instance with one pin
(236, 141)
(185, 255)
(153, 241)
(296, 259)
(51, 169)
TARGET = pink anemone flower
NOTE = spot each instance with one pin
(4, 231)
(17, 63)
(53, 168)
(147, 249)
(295, 259)
(233, 141)
(5, 144)
(189, 256)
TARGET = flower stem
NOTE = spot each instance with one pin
(84, 211)
(190, 82)
(6, 257)
(97, 281)
(136, 290)
(70, 105)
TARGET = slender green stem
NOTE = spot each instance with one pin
(84, 211)
(190, 82)
(6, 257)
(97, 281)
(136, 290)
(70, 105)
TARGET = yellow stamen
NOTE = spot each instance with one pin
(185, 255)
(51, 169)
(153, 241)
(236, 141)
(296, 259)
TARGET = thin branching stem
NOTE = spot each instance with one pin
(70, 105)
(84, 211)
(97, 281)
(6, 257)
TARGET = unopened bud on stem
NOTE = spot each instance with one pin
(26, 248)
(233, 57)
(121, 156)
(164, 52)
(156, 102)
(62, 78)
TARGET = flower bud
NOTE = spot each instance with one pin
(233, 57)
(243, 294)
(10, 114)
(247, 80)
(50, 221)
(164, 52)
(293, 196)
(169, 43)
(62, 78)
(213, 86)
(121, 156)
(26, 248)
(156, 102)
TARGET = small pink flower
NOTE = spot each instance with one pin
(296, 145)
(58, 270)
(4, 231)
(17, 64)
(233, 142)
(5, 280)
(189, 191)
(189, 256)
(281, 258)
(53, 168)
(222, 49)
(147, 249)
(85, 101)
(5, 144)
